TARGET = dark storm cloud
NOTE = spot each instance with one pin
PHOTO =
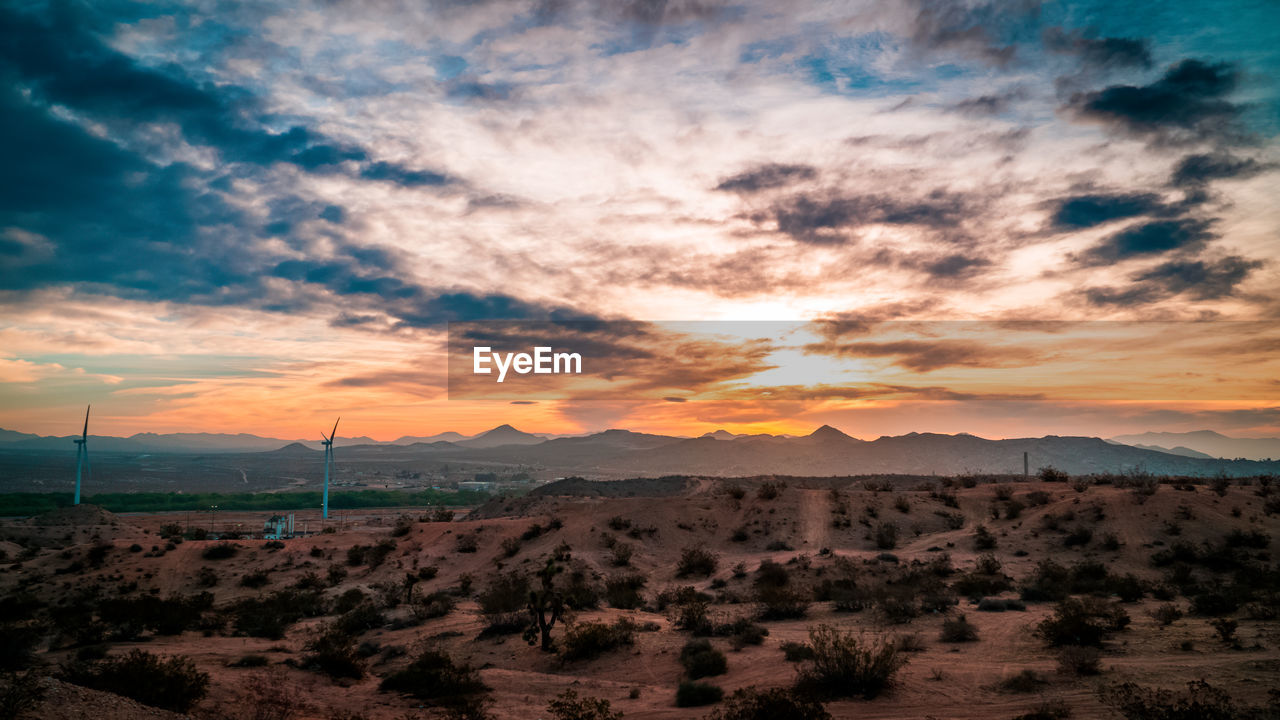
(675, 399)
(1085, 211)
(1150, 238)
(1200, 279)
(1199, 169)
(768, 176)
(926, 355)
(398, 174)
(60, 60)
(1104, 53)
(1186, 104)
(831, 219)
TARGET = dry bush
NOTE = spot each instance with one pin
(845, 664)
(1079, 661)
(1201, 701)
(958, 629)
(270, 696)
(568, 706)
(700, 659)
(171, 683)
(435, 677)
(696, 561)
(585, 641)
(750, 703)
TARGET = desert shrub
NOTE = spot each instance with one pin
(1079, 661)
(953, 521)
(845, 664)
(1167, 614)
(696, 561)
(580, 591)
(1213, 603)
(332, 651)
(742, 633)
(584, 641)
(505, 593)
(466, 543)
(1255, 539)
(1027, 681)
(433, 676)
(983, 539)
(781, 603)
(403, 525)
(987, 604)
(219, 551)
(1079, 536)
(750, 703)
(1077, 622)
(255, 579)
(682, 595)
(700, 659)
(619, 523)
(623, 591)
(435, 605)
(510, 546)
(778, 546)
(359, 619)
(902, 504)
(171, 683)
(769, 490)
(885, 535)
(736, 492)
(620, 554)
(271, 615)
(691, 693)
(568, 706)
(1047, 710)
(1201, 701)
(251, 660)
(1036, 498)
(796, 651)
(1003, 493)
(1225, 628)
(958, 629)
(1049, 473)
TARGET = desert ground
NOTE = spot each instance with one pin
(958, 580)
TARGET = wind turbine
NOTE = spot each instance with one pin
(328, 461)
(82, 452)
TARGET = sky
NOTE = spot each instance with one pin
(965, 216)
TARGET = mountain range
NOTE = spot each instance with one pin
(826, 451)
(1208, 443)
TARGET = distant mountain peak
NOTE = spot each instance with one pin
(827, 432)
(720, 434)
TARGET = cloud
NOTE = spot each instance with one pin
(1199, 279)
(1201, 168)
(832, 217)
(1202, 279)
(1085, 211)
(1187, 104)
(60, 61)
(1148, 238)
(1103, 53)
(987, 105)
(924, 355)
(767, 176)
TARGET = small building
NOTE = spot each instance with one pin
(481, 485)
(278, 527)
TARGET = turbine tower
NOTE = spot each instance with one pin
(82, 452)
(328, 461)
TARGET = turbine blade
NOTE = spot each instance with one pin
(334, 434)
(85, 434)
